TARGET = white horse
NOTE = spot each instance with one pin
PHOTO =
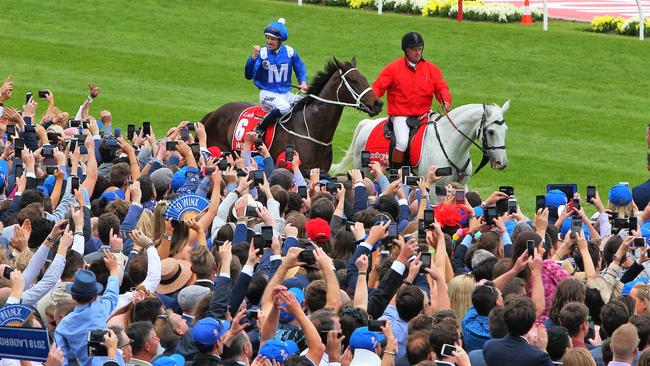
(449, 147)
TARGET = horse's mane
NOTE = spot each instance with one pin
(319, 81)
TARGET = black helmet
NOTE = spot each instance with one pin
(412, 39)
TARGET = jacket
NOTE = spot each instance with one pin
(411, 91)
(513, 351)
(272, 70)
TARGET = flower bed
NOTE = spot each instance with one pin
(472, 10)
(618, 25)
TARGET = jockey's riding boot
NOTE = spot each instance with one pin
(269, 119)
(396, 159)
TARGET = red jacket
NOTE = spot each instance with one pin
(410, 92)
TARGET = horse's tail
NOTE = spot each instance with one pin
(348, 160)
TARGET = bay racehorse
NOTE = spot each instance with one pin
(311, 124)
(447, 144)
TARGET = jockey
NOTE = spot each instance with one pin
(270, 68)
(411, 82)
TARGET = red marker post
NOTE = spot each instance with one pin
(460, 11)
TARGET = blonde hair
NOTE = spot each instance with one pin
(623, 211)
(460, 290)
(158, 222)
(145, 223)
(578, 357)
(643, 292)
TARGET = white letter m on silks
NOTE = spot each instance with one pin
(276, 76)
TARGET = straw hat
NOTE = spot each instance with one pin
(175, 275)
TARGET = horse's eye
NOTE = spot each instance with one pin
(491, 133)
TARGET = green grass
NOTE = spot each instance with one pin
(579, 101)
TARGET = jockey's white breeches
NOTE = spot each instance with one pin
(282, 101)
(401, 130)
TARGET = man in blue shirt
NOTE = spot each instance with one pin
(90, 313)
(270, 68)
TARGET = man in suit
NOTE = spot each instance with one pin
(515, 349)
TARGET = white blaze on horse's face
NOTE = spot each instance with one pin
(495, 135)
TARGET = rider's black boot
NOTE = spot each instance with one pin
(269, 119)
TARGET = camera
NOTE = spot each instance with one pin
(332, 187)
(365, 159)
(412, 181)
(307, 256)
(43, 94)
(251, 211)
(443, 172)
(222, 164)
(171, 145)
(508, 190)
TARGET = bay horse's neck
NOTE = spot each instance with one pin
(468, 119)
(323, 118)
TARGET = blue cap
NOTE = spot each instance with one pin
(4, 167)
(555, 198)
(276, 350)
(113, 195)
(259, 160)
(178, 179)
(365, 339)
(207, 331)
(510, 226)
(299, 281)
(300, 296)
(625, 291)
(173, 360)
(620, 195)
(277, 30)
(645, 230)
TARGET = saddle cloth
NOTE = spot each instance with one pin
(379, 146)
(248, 119)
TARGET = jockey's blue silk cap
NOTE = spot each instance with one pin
(208, 331)
(620, 195)
(279, 351)
(364, 339)
(555, 198)
(277, 30)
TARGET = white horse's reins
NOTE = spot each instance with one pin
(357, 97)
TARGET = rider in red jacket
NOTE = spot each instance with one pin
(411, 83)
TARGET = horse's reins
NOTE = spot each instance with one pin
(484, 148)
(357, 97)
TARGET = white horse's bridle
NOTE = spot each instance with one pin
(357, 96)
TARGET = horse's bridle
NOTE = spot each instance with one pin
(344, 81)
(480, 134)
(357, 104)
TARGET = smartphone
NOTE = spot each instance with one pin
(288, 153)
(332, 187)
(196, 149)
(422, 233)
(426, 262)
(392, 232)
(95, 343)
(74, 123)
(74, 184)
(540, 203)
(508, 190)
(251, 211)
(576, 204)
(171, 145)
(443, 172)
(384, 255)
(85, 123)
(512, 206)
(376, 325)
(302, 191)
(502, 206)
(406, 171)
(632, 223)
(130, 131)
(530, 244)
(307, 256)
(7, 272)
(429, 217)
(222, 164)
(146, 128)
(267, 235)
(392, 175)
(81, 140)
(208, 171)
(412, 181)
(252, 314)
(49, 170)
(241, 173)
(52, 137)
(117, 132)
(365, 159)
(460, 196)
(448, 350)
(18, 169)
(28, 96)
(19, 145)
(73, 145)
(490, 214)
(591, 193)
(257, 176)
(48, 151)
(11, 131)
(441, 191)
(639, 242)
(185, 134)
(259, 142)
(576, 224)
(258, 242)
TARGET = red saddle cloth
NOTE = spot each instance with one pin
(378, 145)
(246, 122)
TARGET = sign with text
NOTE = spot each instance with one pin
(31, 344)
(14, 314)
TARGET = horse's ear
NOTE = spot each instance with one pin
(505, 107)
(339, 64)
(353, 62)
